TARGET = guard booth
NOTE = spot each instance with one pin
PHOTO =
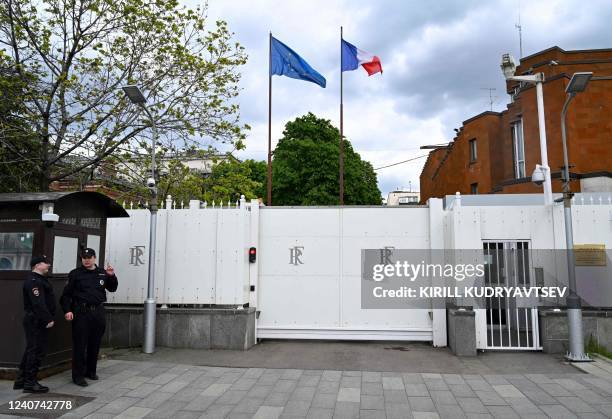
(55, 224)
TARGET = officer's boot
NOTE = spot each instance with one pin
(32, 386)
(18, 385)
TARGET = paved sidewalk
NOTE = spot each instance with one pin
(136, 389)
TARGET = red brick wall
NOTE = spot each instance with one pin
(589, 131)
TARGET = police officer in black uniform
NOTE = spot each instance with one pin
(83, 304)
(39, 306)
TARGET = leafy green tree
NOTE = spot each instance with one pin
(18, 148)
(73, 56)
(305, 167)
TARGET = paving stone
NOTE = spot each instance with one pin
(373, 389)
(352, 373)
(435, 384)
(173, 386)
(231, 397)
(154, 400)
(441, 397)
(296, 408)
(398, 411)
(219, 411)
(372, 414)
(284, 386)
(372, 402)
(259, 392)
(229, 378)
(417, 390)
(576, 405)
(134, 412)
(320, 413)
(539, 396)
(143, 390)
(591, 396)
(200, 404)
(187, 395)
(329, 375)
(371, 377)
(244, 384)
(349, 395)
(495, 379)
(425, 415)
(345, 410)
(164, 378)
(490, 398)
(248, 405)
(119, 405)
(291, 374)
(277, 399)
(421, 404)
(268, 412)
(393, 383)
(557, 411)
(395, 396)
(325, 400)
(352, 382)
(453, 379)
(413, 378)
(503, 412)
(555, 390)
(308, 381)
(268, 379)
(508, 390)
(215, 390)
(254, 373)
(303, 393)
(472, 405)
(450, 411)
(461, 390)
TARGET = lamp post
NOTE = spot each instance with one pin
(148, 347)
(508, 67)
(576, 85)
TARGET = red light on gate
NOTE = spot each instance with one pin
(252, 255)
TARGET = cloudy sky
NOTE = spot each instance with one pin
(439, 57)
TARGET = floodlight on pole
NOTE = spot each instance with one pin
(577, 84)
(508, 67)
(136, 97)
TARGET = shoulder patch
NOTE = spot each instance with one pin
(35, 291)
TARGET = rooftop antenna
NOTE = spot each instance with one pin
(492, 98)
(520, 31)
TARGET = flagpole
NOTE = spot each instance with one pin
(341, 151)
(269, 200)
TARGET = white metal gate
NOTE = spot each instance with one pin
(508, 263)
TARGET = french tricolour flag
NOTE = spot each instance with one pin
(353, 57)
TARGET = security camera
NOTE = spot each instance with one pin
(47, 214)
(538, 176)
(508, 66)
(150, 182)
(50, 218)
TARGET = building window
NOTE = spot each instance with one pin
(473, 150)
(16, 251)
(474, 188)
(518, 149)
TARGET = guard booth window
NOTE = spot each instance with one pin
(16, 251)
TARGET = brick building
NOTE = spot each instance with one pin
(496, 152)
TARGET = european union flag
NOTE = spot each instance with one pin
(286, 62)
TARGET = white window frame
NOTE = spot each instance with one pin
(518, 164)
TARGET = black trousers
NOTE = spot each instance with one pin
(36, 346)
(88, 327)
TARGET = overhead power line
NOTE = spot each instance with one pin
(402, 162)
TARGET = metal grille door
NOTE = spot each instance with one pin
(509, 326)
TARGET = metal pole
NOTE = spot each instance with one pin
(543, 150)
(148, 346)
(574, 307)
(269, 200)
(341, 145)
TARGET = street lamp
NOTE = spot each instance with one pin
(576, 85)
(136, 97)
(508, 67)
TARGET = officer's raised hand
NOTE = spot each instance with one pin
(110, 271)
(69, 316)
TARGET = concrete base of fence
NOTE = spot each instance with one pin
(192, 328)
(596, 324)
(461, 331)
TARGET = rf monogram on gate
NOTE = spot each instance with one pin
(294, 255)
(136, 253)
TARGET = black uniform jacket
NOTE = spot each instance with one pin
(87, 287)
(38, 298)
